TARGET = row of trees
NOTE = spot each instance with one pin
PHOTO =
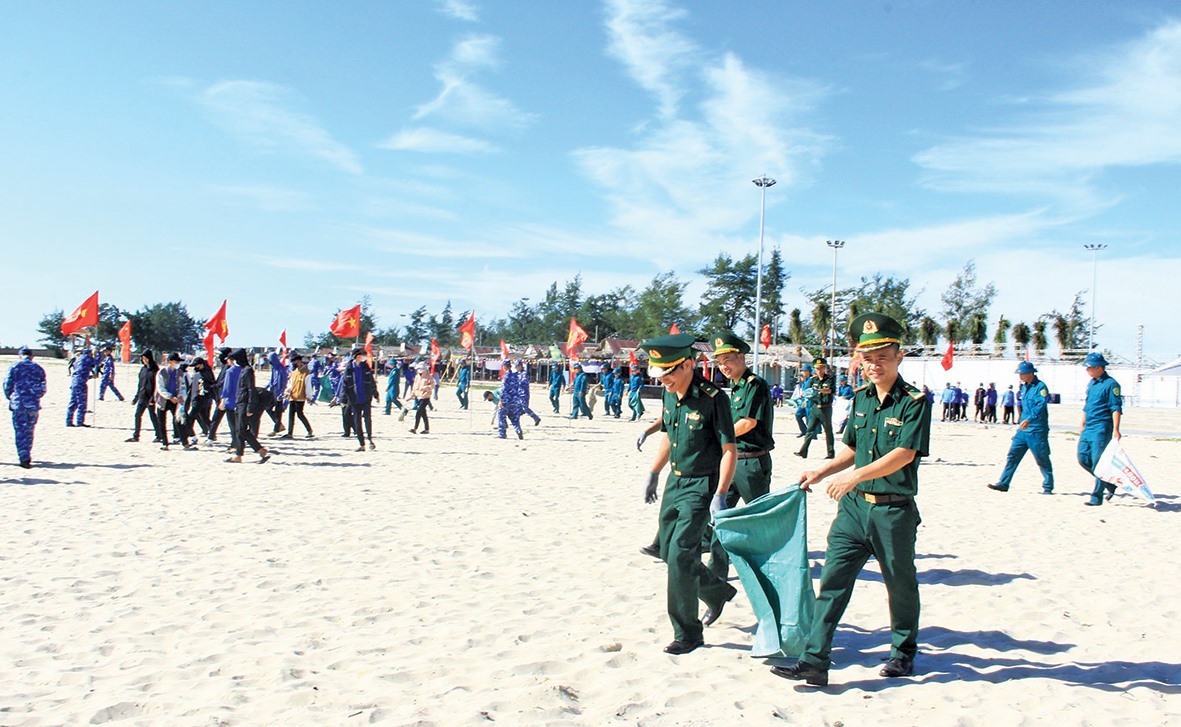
(728, 303)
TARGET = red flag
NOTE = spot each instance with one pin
(765, 339)
(369, 348)
(347, 323)
(283, 338)
(208, 341)
(467, 332)
(705, 366)
(125, 342)
(217, 325)
(504, 352)
(1027, 352)
(574, 339)
(434, 355)
(83, 316)
(631, 359)
(948, 357)
(673, 329)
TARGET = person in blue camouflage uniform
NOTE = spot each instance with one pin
(23, 387)
(635, 384)
(81, 372)
(463, 383)
(511, 403)
(557, 382)
(615, 397)
(579, 387)
(315, 367)
(107, 366)
(1101, 418)
(523, 387)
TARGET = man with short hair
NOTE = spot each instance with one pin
(579, 387)
(889, 433)
(81, 372)
(1101, 418)
(359, 389)
(1033, 430)
(106, 364)
(1008, 401)
(700, 451)
(168, 397)
(24, 385)
(821, 416)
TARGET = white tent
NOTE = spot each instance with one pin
(1173, 368)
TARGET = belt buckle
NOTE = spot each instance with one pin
(869, 497)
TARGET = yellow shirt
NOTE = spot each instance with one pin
(297, 388)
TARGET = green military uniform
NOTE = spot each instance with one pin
(879, 517)
(825, 388)
(697, 425)
(750, 397)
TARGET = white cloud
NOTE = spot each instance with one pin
(653, 54)
(1125, 112)
(476, 51)
(263, 115)
(432, 140)
(459, 10)
(464, 103)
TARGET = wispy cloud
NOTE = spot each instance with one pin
(948, 76)
(264, 197)
(305, 265)
(265, 116)
(1124, 112)
(653, 53)
(464, 102)
(688, 175)
(459, 10)
(432, 140)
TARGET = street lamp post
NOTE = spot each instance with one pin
(762, 182)
(836, 246)
(1094, 250)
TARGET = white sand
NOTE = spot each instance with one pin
(459, 579)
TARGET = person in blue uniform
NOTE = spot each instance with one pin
(509, 409)
(463, 383)
(522, 372)
(1033, 430)
(81, 372)
(579, 388)
(277, 385)
(557, 382)
(1101, 418)
(635, 385)
(359, 390)
(24, 385)
(875, 483)
(617, 385)
(701, 454)
(106, 365)
(315, 369)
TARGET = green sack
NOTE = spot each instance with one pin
(767, 541)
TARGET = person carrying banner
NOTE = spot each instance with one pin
(1033, 430)
(24, 385)
(889, 433)
(1101, 417)
(701, 453)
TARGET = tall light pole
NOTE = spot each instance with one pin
(1094, 250)
(762, 182)
(836, 246)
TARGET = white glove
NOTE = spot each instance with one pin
(650, 487)
(717, 504)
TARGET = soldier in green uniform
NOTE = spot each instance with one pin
(750, 407)
(888, 434)
(821, 409)
(701, 452)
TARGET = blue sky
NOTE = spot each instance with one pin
(294, 156)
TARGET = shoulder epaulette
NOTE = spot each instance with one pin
(914, 393)
(708, 388)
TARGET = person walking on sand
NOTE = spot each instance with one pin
(24, 385)
(463, 383)
(888, 435)
(360, 391)
(168, 398)
(635, 386)
(579, 389)
(145, 394)
(1008, 401)
(521, 372)
(424, 387)
(557, 382)
(246, 410)
(825, 386)
(297, 393)
(1101, 418)
(1033, 430)
(106, 365)
(81, 372)
(701, 454)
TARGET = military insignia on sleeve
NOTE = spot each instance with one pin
(1044, 393)
(893, 422)
(870, 327)
(1115, 391)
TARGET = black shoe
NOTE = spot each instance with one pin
(520, 435)
(374, 446)
(131, 439)
(652, 551)
(802, 455)
(1110, 494)
(830, 456)
(678, 647)
(998, 488)
(809, 673)
(287, 436)
(713, 613)
(27, 464)
(361, 448)
(1047, 491)
(897, 667)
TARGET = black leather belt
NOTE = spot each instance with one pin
(875, 499)
(752, 455)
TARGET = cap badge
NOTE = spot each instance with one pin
(870, 327)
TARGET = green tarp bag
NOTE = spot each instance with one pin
(767, 541)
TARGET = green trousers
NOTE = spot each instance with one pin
(821, 415)
(862, 529)
(684, 515)
(752, 480)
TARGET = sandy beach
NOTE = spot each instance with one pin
(460, 579)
